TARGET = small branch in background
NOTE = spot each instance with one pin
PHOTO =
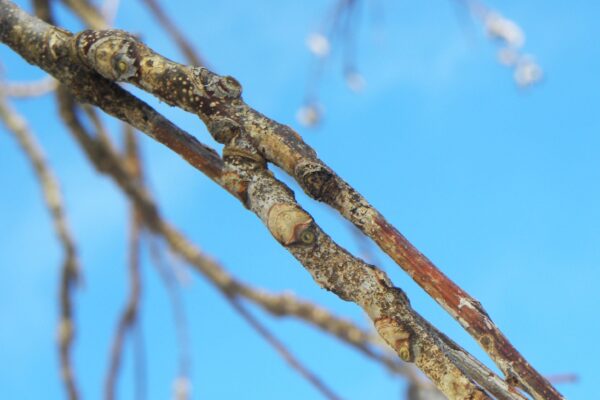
(70, 272)
(171, 28)
(88, 13)
(510, 38)
(129, 319)
(139, 362)
(42, 10)
(561, 379)
(109, 10)
(424, 391)
(29, 89)
(182, 384)
(100, 129)
(282, 350)
(366, 249)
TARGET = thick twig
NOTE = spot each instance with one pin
(282, 350)
(429, 358)
(216, 100)
(213, 98)
(119, 56)
(106, 160)
(70, 272)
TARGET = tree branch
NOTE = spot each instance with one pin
(107, 161)
(70, 272)
(186, 48)
(128, 320)
(119, 56)
(281, 349)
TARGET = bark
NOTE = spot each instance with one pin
(251, 140)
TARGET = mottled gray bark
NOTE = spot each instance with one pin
(90, 62)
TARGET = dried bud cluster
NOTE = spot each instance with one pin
(511, 36)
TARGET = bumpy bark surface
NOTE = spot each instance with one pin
(90, 62)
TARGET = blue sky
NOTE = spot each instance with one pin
(498, 186)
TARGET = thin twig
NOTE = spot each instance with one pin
(171, 28)
(29, 89)
(257, 140)
(88, 13)
(70, 272)
(282, 350)
(128, 321)
(181, 325)
(109, 9)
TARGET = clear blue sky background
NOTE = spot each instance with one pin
(498, 186)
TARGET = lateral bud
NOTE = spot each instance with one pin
(398, 336)
(111, 53)
(223, 129)
(289, 224)
(316, 179)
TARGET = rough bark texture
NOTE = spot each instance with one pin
(251, 140)
(119, 56)
(106, 160)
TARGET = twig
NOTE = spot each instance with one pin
(106, 161)
(29, 89)
(88, 13)
(181, 325)
(109, 9)
(70, 272)
(216, 99)
(128, 320)
(427, 350)
(282, 350)
(186, 47)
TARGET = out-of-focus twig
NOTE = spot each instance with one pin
(282, 350)
(70, 272)
(100, 129)
(88, 13)
(109, 9)
(559, 379)
(129, 320)
(182, 386)
(184, 45)
(29, 89)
